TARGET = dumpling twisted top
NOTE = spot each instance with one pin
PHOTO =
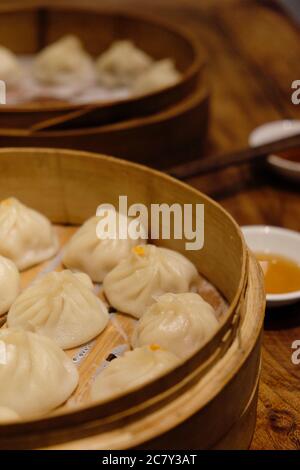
(148, 272)
(62, 306)
(26, 236)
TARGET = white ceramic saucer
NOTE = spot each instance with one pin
(272, 131)
(283, 242)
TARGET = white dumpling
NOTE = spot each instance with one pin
(134, 369)
(63, 62)
(162, 74)
(180, 323)
(10, 69)
(36, 376)
(149, 271)
(122, 63)
(62, 306)
(7, 415)
(97, 256)
(10, 284)
(26, 236)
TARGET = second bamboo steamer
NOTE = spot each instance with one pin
(97, 28)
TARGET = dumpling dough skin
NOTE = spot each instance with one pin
(10, 284)
(63, 62)
(149, 271)
(10, 69)
(160, 75)
(26, 236)
(132, 370)
(7, 415)
(180, 323)
(121, 64)
(36, 376)
(87, 253)
(62, 306)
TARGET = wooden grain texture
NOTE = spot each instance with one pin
(252, 155)
(254, 57)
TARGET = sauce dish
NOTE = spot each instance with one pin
(264, 239)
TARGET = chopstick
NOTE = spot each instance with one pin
(220, 162)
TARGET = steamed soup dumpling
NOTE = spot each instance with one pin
(26, 236)
(10, 69)
(97, 256)
(148, 272)
(7, 415)
(180, 323)
(62, 306)
(36, 376)
(160, 75)
(9, 284)
(132, 370)
(63, 62)
(121, 64)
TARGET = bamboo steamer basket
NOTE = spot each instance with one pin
(208, 401)
(97, 28)
(175, 135)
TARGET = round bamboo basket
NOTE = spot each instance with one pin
(208, 401)
(97, 28)
(175, 135)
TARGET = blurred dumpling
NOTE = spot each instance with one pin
(7, 415)
(180, 323)
(149, 271)
(62, 306)
(121, 64)
(96, 256)
(36, 376)
(10, 69)
(26, 236)
(134, 369)
(160, 75)
(63, 62)
(9, 284)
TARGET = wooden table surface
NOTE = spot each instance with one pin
(254, 55)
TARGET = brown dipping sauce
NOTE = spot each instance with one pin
(293, 155)
(282, 275)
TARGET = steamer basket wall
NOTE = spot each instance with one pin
(207, 402)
